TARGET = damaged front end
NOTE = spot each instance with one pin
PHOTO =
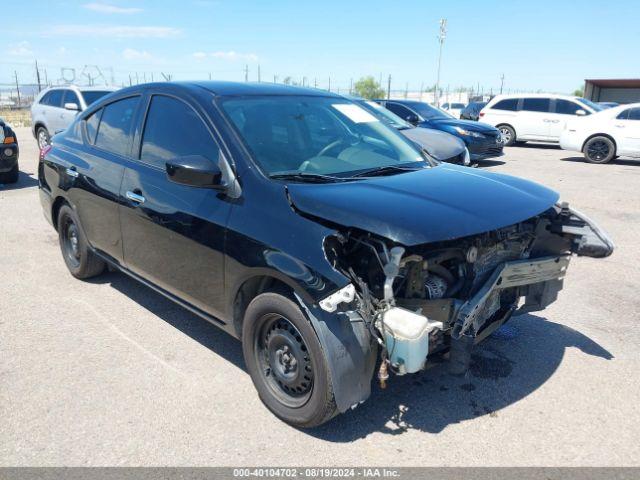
(424, 301)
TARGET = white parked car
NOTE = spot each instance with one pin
(453, 109)
(56, 107)
(606, 135)
(537, 117)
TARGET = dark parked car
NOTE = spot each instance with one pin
(472, 111)
(9, 153)
(440, 145)
(483, 141)
(297, 222)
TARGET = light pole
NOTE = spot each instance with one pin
(441, 36)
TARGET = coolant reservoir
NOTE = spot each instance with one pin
(407, 338)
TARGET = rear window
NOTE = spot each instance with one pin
(568, 108)
(91, 96)
(115, 126)
(510, 104)
(536, 104)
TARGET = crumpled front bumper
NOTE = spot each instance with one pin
(542, 276)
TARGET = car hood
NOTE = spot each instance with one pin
(440, 145)
(435, 204)
(449, 124)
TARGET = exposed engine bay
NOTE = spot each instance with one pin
(417, 300)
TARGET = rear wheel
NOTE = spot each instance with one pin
(599, 150)
(80, 260)
(11, 176)
(43, 137)
(286, 362)
(508, 135)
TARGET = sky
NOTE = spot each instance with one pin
(537, 45)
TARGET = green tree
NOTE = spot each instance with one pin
(579, 92)
(367, 87)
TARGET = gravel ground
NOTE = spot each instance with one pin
(107, 372)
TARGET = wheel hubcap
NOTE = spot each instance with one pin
(42, 139)
(506, 135)
(285, 361)
(598, 150)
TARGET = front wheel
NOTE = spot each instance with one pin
(43, 137)
(286, 361)
(508, 135)
(599, 150)
(11, 176)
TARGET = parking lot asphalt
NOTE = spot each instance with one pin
(107, 372)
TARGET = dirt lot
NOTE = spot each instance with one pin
(107, 372)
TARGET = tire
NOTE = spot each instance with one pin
(11, 176)
(599, 150)
(43, 137)
(80, 260)
(508, 134)
(286, 362)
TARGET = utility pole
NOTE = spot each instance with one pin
(351, 86)
(329, 83)
(258, 73)
(46, 77)
(209, 75)
(275, 79)
(441, 36)
(38, 77)
(389, 87)
(315, 82)
(406, 90)
(137, 79)
(246, 73)
(130, 82)
(501, 83)
(17, 86)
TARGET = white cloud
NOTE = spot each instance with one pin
(230, 56)
(106, 8)
(20, 49)
(114, 31)
(132, 54)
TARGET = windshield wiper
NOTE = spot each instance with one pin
(307, 177)
(389, 169)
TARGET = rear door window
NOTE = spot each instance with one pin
(71, 97)
(536, 105)
(400, 110)
(114, 131)
(509, 104)
(173, 129)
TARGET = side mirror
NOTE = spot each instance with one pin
(195, 171)
(581, 113)
(71, 106)
(413, 119)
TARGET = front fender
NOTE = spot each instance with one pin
(350, 351)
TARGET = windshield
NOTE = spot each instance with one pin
(387, 116)
(91, 96)
(457, 105)
(316, 135)
(428, 112)
(589, 103)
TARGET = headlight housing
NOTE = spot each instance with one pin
(468, 133)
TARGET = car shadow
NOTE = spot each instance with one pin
(511, 364)
(617, 161)
(544, 146)
(25, 180)
(488, 163)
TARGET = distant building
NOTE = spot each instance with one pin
(613, 90)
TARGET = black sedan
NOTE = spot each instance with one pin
(9, 153)
(483, 141)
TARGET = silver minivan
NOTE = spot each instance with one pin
(55, 108)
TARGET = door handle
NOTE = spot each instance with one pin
(554, 121)
(135, 197)
(620, 126)
(72, 172)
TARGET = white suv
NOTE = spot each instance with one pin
(537, 117)
(55, 108)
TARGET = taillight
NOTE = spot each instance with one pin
(43, 151)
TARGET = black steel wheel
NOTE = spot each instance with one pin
(599, 150)
(80, 260)
(286, 361)
(508, 135)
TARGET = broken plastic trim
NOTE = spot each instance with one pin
(594, 242)
(344, 295)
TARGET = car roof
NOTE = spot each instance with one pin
(532, 95)
(221, 88)
(97, 88)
